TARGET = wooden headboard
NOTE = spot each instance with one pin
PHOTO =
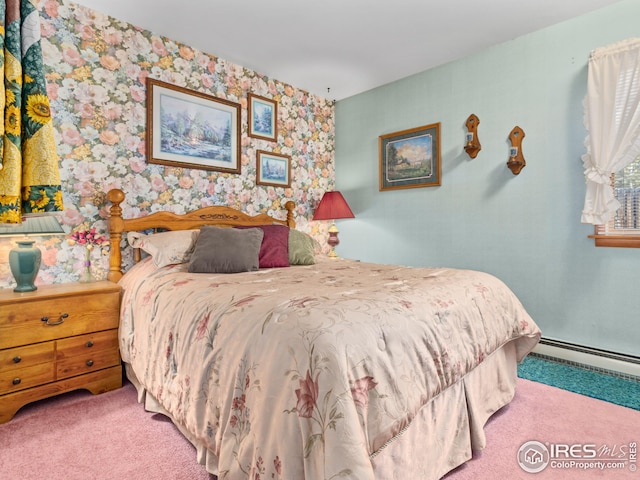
(216, 215)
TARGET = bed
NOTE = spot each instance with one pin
(318, 369)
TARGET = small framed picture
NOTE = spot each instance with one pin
(410, 158)
(263, 118)
(273, 169)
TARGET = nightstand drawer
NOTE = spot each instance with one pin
(49, 319)
(87, 362)
(21, 378)
(86, 344)
(22, 357)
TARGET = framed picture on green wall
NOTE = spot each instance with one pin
(410, 158)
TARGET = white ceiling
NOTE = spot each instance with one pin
(338, 48)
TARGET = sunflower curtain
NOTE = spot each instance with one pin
(29, 174)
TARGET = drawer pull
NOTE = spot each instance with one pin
(60, 320)
(17, 359)
(89, 363)
(16, 381)
(89, 344)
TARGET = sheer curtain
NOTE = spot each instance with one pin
(612, 119)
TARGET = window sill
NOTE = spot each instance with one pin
(624, 241)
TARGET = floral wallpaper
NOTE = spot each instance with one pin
(96, 68)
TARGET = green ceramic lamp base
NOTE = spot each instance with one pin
(25, 263)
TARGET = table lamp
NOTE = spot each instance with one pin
(333, 206)
(24, 259)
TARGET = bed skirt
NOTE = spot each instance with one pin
(445, 432)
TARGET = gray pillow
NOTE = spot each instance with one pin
(301, 248)
(226, 250)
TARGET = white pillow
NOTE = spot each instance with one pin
(166, 248)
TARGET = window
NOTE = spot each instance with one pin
(612, 161)
(626, 222)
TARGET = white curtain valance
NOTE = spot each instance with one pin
(612, 119)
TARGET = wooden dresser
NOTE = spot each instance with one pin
(59, 338)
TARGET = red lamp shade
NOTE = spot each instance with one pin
(332, 206)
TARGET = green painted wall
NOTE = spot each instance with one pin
(524, 229)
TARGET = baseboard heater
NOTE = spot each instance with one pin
(619, 365)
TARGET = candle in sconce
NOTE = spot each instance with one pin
(469, 137)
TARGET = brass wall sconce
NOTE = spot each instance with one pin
(516, 160)
(472, 143)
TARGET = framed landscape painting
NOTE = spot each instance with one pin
(410, 158)
(263, 117)
(273, 169)
(191, 129)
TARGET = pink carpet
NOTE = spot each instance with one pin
(550, 415)
(110, 436)
(79, 436)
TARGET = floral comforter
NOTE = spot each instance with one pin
(307, 372)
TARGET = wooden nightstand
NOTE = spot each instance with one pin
(59, 338)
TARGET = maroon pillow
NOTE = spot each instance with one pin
(274, 250)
